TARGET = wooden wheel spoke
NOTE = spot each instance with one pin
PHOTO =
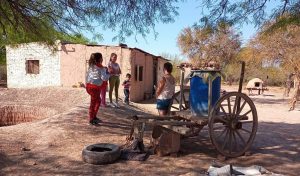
(184, 100)
(175, 107)
(240, 136)
(183, 106)
(220, 119)
(229, 105)
(235, 141)
(230, 140)
(222, 133)
(225, 139)
(245, 114)
(248, 121)
(241, 108)
(243, 129)
(219, 127)
(235, 105)
(222, 108)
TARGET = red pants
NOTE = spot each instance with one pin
(95, 100)
(103, 95)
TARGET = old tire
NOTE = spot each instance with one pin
(102, 153)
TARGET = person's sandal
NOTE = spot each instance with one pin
(97, 120)
(93, 122)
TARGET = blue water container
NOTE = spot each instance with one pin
(199, 91)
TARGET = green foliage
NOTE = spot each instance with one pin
(72, 16)
(50, 36)
(2, 56)
(245, 11)
(281, 46)
(271, 76)
(282, 23)
(231, 72)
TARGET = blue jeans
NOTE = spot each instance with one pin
(126, 93)
(163, 104)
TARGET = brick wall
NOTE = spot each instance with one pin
(49, 66)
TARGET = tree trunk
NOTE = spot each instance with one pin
(296, 94)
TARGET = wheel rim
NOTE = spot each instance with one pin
(174, 106)
(233, 124)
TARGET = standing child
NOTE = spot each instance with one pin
(103, 90)
(165, 90)
(94, 80)
(126, 85)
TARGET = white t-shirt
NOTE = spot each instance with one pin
(115, 67)
(169, 88)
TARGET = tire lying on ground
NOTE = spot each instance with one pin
(102, 153)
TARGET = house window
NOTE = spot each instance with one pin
(139, 73)
(32, 66)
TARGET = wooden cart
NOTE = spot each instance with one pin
(232, 121)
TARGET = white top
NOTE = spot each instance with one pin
(96, 75)
(115, 67)
(169, 88)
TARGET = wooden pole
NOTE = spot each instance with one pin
(181, 88)
(240, 86)
(241, 77)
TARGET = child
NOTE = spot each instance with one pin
(165, 90)
(126, 85)
(103, 91)
(94, 79)
(114, 80)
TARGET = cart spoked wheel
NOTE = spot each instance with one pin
(233, 124)
(176, 99)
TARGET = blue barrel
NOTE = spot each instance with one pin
(199, 91)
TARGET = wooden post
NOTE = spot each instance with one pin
(181, 88)
(209, 94)
(240, 86)
(241, 77)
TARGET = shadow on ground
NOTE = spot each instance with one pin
(276, 148)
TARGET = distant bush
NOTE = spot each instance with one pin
(271, 76)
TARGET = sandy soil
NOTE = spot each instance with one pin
(56, 142)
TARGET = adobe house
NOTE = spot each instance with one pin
(36, 65)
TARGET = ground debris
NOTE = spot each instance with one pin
(25, 149)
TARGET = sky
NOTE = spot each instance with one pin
(166, 41)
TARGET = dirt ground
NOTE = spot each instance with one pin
(54, 144)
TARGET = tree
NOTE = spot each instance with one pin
(206, 44)
(280, 46)
(244, 11)
(51, 36)
(129, 17)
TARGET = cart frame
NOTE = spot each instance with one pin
(230, 122)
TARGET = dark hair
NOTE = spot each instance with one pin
(128, 75)
(95, 58)
(168, 66)
(111, 55)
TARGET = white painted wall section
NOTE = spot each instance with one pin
(49, 66)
